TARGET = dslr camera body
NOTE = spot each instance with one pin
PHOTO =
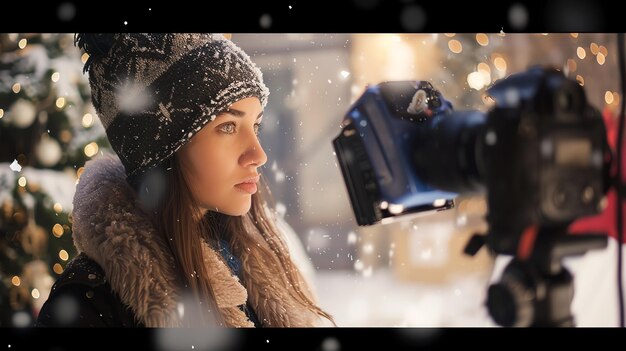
(540, 153)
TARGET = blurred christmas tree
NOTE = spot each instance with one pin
(48, 130)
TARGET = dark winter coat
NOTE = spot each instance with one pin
(125, 276)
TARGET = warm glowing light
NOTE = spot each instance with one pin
(603, 50)
(16, 88)
(574, 35)
(58, 208)
(55, 77)
(57, 230)
(87, 120)
(84, 58)
(500, 64)
(57, 268)
(80, 171)
(482, 39)
(593, 47)
(63, 255)
(600, 58)
(580, 80)
(16, 280)
(455, 46)
(91, 149)
(22, 44)
(449, 35)
(22, 181)
(484, 67)
(60, 102)
(35, 293)
(581, 53)
(608, 97)
(1, 113)
(476, 80)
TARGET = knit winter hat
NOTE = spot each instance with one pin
(153, 92)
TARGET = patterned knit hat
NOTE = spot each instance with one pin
(153, 92)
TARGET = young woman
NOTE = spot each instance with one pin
(174, 230)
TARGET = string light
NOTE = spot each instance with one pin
(87, 120)
(60, 102)
(500, 64)
(22, 44)
(35, 293)
(580, 80)
(603, 50)
(449, 35)
(57, 230)
(482, 39)
(58, 208)
(57, 268)
(16, 88)
(16, 280)
(63, 255)
(574, 35)
(22, 181)
(600, 58)
(91, 149)
(581, 53)
(608, 97)
(1, 113)
(484, 67)
(55, 77)
(593, 47)
(455, 46)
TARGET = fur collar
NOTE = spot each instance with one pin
(110, 227)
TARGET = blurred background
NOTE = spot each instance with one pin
(407, 273)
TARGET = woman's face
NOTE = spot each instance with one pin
(222, 155)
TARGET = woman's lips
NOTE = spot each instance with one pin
(249, 188)
(248, 185)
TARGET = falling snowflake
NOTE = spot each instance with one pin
(15, 167)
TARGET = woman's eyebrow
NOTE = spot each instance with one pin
(237, 113)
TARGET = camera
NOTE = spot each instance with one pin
(540, 156)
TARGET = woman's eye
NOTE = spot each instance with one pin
(257, 128)
(228, 128)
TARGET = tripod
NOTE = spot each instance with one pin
(537, 290)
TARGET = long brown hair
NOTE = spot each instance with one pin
(182, 224)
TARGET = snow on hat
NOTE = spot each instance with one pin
(153, 92)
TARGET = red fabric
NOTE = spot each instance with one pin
(605, 221)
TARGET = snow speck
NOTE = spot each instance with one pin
(518, 16)
(358, 265)
(265, 21)
(66, 11)
(15, 167)
(281, 209)
(330, 344)
(368, 249)
(290, 7)
(344, 74)
(352, 238)
(125, 22)
(367, 272)
(330, 81)
(22, 319)
(268, 341)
